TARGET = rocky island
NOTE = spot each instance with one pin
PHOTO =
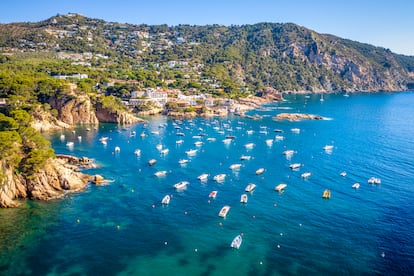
(293, 117)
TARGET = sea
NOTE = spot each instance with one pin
(121, 228)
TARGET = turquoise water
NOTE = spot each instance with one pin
(122, 228)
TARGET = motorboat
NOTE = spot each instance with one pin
(213, 194)
(159, 147)
(179, 142)
(235, 166)
(181, 185)
(250, 187)
(245, 157)
(152, 162)
(343, 174)
(166, 200)
(328, 147)
(203, 177)
(243, 198)
(374, 180)
(356, 186)
(279, 137)
(223, 212)
(117, 149)
(227, 141)
(237, 241)
(295, 130)
(249, 145)
(191, 152)
(160, 173)
(306, 175)
(260, 171)
(295, 166)
(182, 161)
(280, 187)
(326, 194)
(288, 152)
(164, 151)
(219, 177)
(269, 142)
(198, 143)
(137, 152)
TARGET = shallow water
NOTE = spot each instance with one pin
(122, 228)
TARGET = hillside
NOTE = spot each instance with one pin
(222, 60)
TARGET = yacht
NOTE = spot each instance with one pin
(280, 187)
(181, 185)
(152, 162)
(243, 198)
(245, 157)
(306, 175)
(249, 145)
(166, 200)
(160, 173)
(203, 177)
(235, 166)
(237, 241)
(356, 186)
(213, 194)
(260, 171)
(219, 177)
(191, 152)
(223, 212)
(295, 166)
(250, 187)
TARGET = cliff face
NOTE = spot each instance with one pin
(75, 110)
(55, 180)
(105, 115)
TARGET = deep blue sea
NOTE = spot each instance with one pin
(123, 229)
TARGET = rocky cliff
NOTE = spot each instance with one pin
(53, 181)
(75, 109)
(115, 116)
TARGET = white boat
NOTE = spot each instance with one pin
(237, 241)
(219, 177)
(269, 142)
(164, 151)
(181, 185)
(328, 147)
(152, 162)
(260, 171)
(182, 161)
(306, 175)
(203, 177)
(117, 149)
(245, 157)
(62, 137)
(179, 142)
(223, 212)
(250, 187)
(80, 138)
(227, 141)
(198, 144)
(166, 200)
(288, 152)
(249, 145)
(213, 194)
(191, 152)
(243, 198)
(235, 166)
(374, 180)
(295, 130)
(160, 173)
(70, 144)
(211, 139)
(280, 187)
(250, 132)
(356, 186)
(103, 139)
(279, 137)
(343, 174)
(142, 134)
(295, 166)
(159, 147)
(137, 152)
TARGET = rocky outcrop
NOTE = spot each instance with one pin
(297, 117)
(75, 109)
(44, 121)
(105, 115)
(54, 180)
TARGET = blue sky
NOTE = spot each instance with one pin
(386, 23)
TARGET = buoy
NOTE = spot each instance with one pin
(220, 224)
(153, 206)
(78, 220)
(260, 262)
(195, 250)
(185, 213)
(165, 243)
(118, 227)
(278, 246)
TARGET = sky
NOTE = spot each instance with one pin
(385, 23)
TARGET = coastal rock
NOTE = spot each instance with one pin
(297, 117)
(75, 109)
(120, 117)
(54, 180)
(97, 179)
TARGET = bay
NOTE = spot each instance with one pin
(123, 229)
